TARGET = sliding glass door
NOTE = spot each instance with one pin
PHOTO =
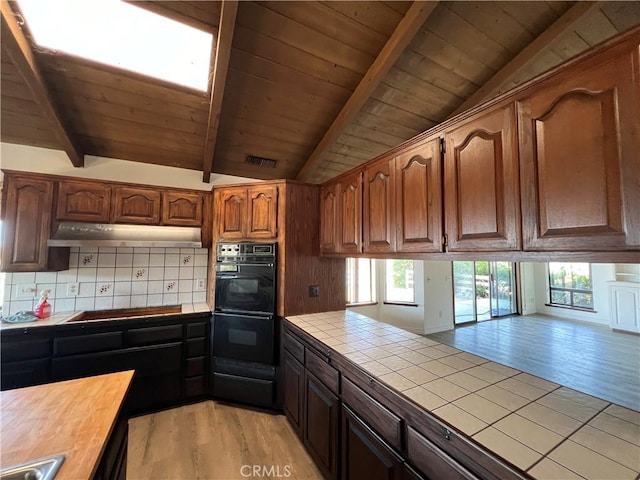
(483, 290)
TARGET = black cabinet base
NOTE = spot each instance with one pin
(251, 391)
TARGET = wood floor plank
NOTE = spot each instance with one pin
(215, 441)
(590, 358)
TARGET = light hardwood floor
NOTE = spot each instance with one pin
(217, 441)
(590, 358)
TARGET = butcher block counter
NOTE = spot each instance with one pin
(75, 418)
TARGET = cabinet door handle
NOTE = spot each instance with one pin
(371, 382)
(447, 434)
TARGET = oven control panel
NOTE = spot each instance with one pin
(230, 252)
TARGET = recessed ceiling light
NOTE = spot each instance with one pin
(122, 35)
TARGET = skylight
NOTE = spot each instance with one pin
(122, 35)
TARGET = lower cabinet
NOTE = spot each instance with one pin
(433, 461)
(365, 456)
(294, 391)
(113, 465)
(169, 356)
(321, 434)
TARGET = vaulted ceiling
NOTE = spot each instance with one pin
(320, 87)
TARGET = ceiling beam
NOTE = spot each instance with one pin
(527, 55)
(221, 65)
(397, 43)
(17, 47)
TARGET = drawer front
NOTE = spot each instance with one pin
(12, 351)
(25, 373)
(149, 335)
(373, 413)
(196, 347)
(97, 342)
(195, 366)
(294, 347)
(433, 461)
(196, 330)
(321, 369)
(242, 389)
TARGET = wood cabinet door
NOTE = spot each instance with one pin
(433, 461)
(263, 212)
(482, 196)
(321, 419)
(365, 456)
(83, 201)
(293, 392)
(135, 205)
(182, 209)
(350, 213)
(419, 199)
(231, 212)
(329, 218)
(27, 224)
(580, 150)
(379, 212)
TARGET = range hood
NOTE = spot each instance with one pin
(78, 234)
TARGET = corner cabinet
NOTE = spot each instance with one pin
(580, 148)
(341, 215)
(27, 226)
(482, 198)
(247, 212)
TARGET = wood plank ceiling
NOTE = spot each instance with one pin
(292, 68)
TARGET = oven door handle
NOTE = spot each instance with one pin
(223, 276)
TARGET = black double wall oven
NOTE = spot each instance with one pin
(245, 324)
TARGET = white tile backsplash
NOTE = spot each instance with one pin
(113, 277)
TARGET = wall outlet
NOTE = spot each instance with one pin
(314, 290)
(73, 289)
(200, 284)
(26, 291)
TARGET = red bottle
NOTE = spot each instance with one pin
(43, 309)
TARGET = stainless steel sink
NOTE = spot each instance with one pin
(41, 469)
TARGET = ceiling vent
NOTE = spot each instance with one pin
(261, 162)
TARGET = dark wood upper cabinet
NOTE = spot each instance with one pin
(329, 218)
(83, 201)
(26, 226)
(135, 205)
(350, 213)
(580, 158)
(419, 198)
(247, 212)
(230, 209)
(379, 212)
(262, 219)
(182, 209)
(482, 198)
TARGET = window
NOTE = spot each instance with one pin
(399, 281)
(361, 274)
(122, 35)
(570, 285)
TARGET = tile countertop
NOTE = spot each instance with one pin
(63, 317)
(545, 429)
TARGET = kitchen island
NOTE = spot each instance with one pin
(493, 421)
(75, 418)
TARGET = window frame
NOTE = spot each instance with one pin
(388, 301)
(372, 282)
(571, 291)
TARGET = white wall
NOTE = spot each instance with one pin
(56, 162)
(528, 288)
(601, 273)
(433, 296)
